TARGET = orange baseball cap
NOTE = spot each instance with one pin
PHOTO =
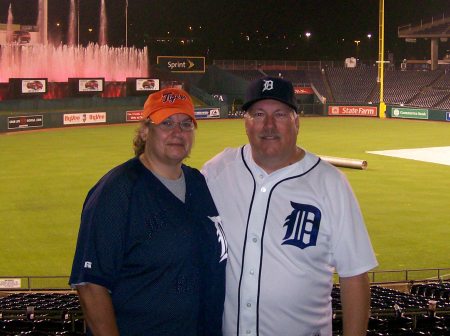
(162, 104)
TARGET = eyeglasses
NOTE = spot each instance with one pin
(260, 116)
(168, 125)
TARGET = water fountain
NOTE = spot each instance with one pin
(72, 24)
(9, 24)
(60, 62)
(102, 38)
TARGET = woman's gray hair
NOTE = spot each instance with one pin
(138, 141)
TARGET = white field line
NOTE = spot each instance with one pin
(439, 155)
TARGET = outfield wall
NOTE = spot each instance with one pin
(404, 112)
(395, 112)
(40, 114)
(23, 115)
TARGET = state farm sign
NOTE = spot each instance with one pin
(84, 118)
(360, 111)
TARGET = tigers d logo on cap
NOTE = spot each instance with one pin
(162, 104)
(270, 88)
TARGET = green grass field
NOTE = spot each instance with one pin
(45, 175)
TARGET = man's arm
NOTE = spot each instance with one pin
(355, 298)
(98, 309)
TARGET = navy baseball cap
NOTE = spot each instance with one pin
(270, 88)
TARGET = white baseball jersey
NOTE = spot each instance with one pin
(287, 232)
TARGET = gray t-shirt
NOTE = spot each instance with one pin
(176, 187)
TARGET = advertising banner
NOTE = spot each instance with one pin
(200, 113)
(303, 90)
(409, 113)
(359, 111)
(34, 86)
(147, 84)
(25, 121)
(447, 116)
(18, 36)
(207, 113)
(90, 85)
(182, 63)
(10, 283)
(220, 97)
(133, 116)
(84, 118)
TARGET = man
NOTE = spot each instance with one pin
(150, 258)
(290, 220)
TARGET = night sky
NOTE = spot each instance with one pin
(261, 29)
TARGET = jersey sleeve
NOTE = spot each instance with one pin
(99, 251)
(352, 252)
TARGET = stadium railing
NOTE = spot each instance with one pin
(56, 283)
(285, 65)
(34, 283)
(272, 64)
(407, 275)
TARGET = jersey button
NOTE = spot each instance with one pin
(263, 189)
(248, 331)
(249, 304)
(252, 272)
(255, 239)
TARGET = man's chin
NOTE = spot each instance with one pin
(270, 152)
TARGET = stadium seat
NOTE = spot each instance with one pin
(17, 325)
(337, 324)
(376, 324)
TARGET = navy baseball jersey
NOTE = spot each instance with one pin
(162, 260)
(287, 233)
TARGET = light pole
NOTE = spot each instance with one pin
(357, 42)
(308, 36)
(369, 36)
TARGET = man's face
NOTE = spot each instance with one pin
(272, 129)
(169, 146)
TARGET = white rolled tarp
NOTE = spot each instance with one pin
(344, 162)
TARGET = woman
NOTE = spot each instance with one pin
(151, 254)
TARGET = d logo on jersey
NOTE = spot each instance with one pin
(302, 226)
(220, 237)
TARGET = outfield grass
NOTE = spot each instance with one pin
(45, 175)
